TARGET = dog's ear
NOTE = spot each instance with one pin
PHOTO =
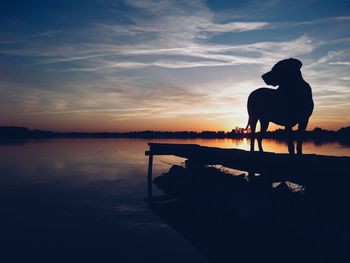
(296, 62)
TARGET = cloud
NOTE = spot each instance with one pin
(41, 35)
(233, 27)
(200, 26)
(194, 55)
(321, 21)
(343, 63)
(171, 64)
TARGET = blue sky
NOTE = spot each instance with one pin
(108, 65)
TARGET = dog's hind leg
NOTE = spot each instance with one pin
(290, 140)
(252, 123)
(301, 130)
(263, 128)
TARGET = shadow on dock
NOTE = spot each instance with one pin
(233, 218)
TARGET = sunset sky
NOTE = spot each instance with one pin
(104, 65)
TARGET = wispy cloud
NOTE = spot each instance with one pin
(343, 63)
(321, 21)
(41, 35)
(194, 55)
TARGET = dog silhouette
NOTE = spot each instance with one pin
(290, 104)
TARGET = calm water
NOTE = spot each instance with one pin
(81, 200)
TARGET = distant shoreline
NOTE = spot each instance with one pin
(317, 134)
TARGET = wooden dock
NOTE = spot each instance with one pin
(278, 167)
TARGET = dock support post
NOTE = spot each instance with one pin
(150, 166)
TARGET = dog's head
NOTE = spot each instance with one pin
(283, 72)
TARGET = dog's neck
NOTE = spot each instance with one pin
(292, 82)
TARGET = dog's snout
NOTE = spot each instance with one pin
(269, 78)
(264, 77)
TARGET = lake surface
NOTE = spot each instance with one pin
(82, 200)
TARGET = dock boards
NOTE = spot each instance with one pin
(304, 169)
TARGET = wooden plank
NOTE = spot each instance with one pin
(280, 166)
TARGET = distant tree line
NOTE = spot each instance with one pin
(7, 132)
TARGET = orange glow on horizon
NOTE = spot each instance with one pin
(175, 124)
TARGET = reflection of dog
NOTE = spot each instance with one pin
(287, 106)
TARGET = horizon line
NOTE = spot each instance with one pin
(132, 131)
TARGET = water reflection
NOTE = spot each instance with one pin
(82, 199)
